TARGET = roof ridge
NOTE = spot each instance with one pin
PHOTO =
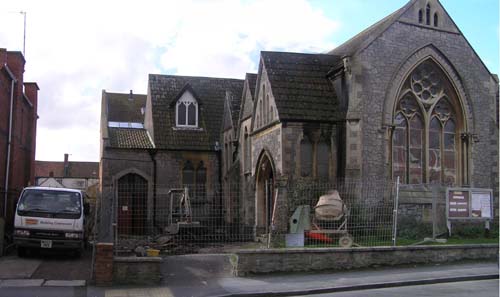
(134, 94)
(296, 53)
(190, 76)
(386, 21)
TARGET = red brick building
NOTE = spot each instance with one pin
(67, 174)
(18, 119)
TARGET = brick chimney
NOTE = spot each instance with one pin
(15, 61)
(66, 165)
(31, 91)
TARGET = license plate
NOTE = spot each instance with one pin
(46, 244)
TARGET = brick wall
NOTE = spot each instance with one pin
(24, 118)
(103, 268)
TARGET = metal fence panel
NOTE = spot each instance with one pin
(185, 219)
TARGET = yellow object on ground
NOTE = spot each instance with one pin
(152, 252)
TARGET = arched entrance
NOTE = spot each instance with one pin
(264, 200)
(132, 204)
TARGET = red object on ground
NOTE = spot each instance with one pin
(318, 236)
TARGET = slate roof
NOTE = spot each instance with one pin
(211, 92)
(121, 109)
(235, 104)
(300, 86)
(363, 39)
(129, 138)
(247, 107)
(252, 82)
(75, 169)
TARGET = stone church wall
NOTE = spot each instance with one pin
(375, 68)
(269, 140)
(114, 164)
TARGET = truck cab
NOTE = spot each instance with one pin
(50, 218)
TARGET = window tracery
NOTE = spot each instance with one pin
(428, 14)
(425, 129)
(187, 111)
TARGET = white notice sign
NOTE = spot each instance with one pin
(481, 204)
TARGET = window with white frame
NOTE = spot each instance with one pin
(186, 111)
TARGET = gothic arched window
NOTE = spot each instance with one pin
(415, 157)
(188, 173)
(246, 153)
(426, 125)
(435, 19)
(420, 16)
(306, 157)
(428, 14)
(323, 159)
(187, 111)
(201, 180)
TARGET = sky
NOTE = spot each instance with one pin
(76, 49)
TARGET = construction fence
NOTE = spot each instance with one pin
(8, 200)
(188, 219)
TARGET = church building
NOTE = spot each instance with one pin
(407, 98)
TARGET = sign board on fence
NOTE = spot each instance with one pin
(469, 204)
(458, 204)
(481, 205)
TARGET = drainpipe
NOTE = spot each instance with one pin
(152, 154)
(9, 141)
(217, 149)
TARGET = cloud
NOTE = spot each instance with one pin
(76, 49)
(221, 43)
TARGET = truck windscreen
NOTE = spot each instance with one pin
(47, 203)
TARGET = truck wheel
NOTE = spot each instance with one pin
(77, 253)
(21, 252)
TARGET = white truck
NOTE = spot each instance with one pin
(50, 218)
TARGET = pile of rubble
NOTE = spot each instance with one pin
(166, 244)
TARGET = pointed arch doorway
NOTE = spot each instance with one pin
(265, 194)
(132, 204)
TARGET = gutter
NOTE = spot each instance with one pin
(9, 141)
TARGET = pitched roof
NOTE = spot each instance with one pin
(300, 87)
(235, 104)
(122, 109)
(246, 108)
(75, 169)
(164, 89)
(363, 39)
(252, 82)
(129, 138)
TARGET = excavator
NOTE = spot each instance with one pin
(180, 215)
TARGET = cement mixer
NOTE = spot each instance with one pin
(330, 217)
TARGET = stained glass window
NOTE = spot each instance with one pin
(399, 148)
(426, 151)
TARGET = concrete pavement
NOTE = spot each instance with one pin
(209, 275)
(202, 275)
(14, 267)
(18, 272)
